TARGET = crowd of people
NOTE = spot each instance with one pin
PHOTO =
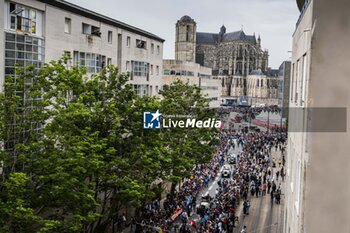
(183, 201)
(246, 112)
(252, 176)
(255, 173)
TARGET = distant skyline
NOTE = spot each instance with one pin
(273, 20)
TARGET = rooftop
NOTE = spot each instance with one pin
(186, 19)
(99, 17)
(212, 38)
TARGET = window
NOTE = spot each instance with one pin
(109, 61)
(141, 44)
(166, 72)
(66, 53)
(140, 68)
(12, 7)
(91, 30)
(292, 83)
(95, 31)
(93, 62)
(158, 49)
(67, 25)
(303, 83)
(187, 33)
(86, 29)
(152, 48)
(141, 90)
(157, 89)
(128, 41)
(151, 70)
(296, 82)
(22, 50)
(190, 73)
(157, 70)
(298, 187)
(150, 90)
(127, 66)
(22, 18)
(110, 37)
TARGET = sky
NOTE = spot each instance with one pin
(273, 20)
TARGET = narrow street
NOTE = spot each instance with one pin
(264, 216)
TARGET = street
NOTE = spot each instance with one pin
(264, 216)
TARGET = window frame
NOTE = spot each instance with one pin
(67, 25)
(128, 41)
(110, 37)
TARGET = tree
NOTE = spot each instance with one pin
(75, 152)
(186, 146)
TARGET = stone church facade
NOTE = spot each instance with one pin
(233, 57)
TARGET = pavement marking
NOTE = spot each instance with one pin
(216, 179)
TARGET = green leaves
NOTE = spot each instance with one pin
(75, 151)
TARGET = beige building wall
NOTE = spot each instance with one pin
(297, 154)
(317, 190)
(121, 50)
(261, 86)
(194, 74)
(185, 39)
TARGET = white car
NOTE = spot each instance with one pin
(232, 159)
(226, 172)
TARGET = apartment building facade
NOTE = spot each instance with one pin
(38, 31)
(317, 194)
(283, 87)
(193, 74)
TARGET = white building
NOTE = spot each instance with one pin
(194, 74)
(34, 32)
(317, 181)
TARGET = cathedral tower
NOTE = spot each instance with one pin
(185, 40)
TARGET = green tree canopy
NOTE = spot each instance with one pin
(75, 152)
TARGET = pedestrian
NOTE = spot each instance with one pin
(268, 187)
(272, 196)
(123, 221)
(133, 226)
(282, 174)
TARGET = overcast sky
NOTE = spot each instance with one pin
(274, 20)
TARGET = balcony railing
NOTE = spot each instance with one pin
(25, 24)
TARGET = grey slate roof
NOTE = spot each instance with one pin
(232, 36)
(212, 38)
(256, 72)
(251, 39)
(272, 72)
(206, 38)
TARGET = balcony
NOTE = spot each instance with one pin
(22, 24)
